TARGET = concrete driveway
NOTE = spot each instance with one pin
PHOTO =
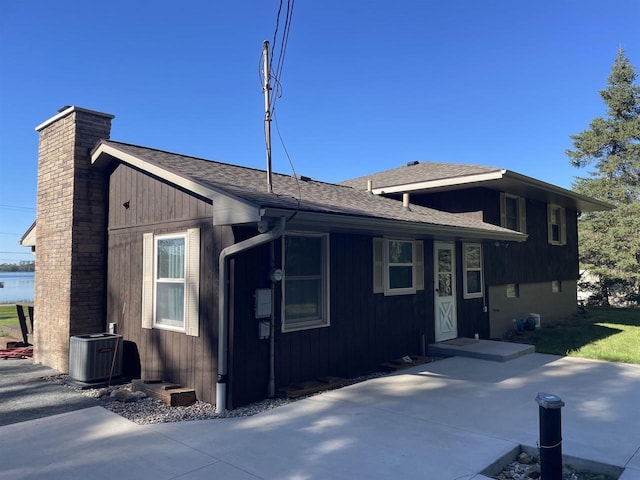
(444, 420)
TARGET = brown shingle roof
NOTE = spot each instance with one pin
(294, 194)
(418, 172)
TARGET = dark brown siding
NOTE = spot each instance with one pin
(366, 328)
(471, 316)
(138, 204)
(532, 261)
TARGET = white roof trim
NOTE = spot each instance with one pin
(582, 202)
(441, 182)
(67, 111)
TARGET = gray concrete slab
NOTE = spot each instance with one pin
(444, 420)
(25, 396)
(92, 443)
(481, 349)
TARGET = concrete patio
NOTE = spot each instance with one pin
(444, 420)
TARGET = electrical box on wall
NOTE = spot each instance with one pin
(263, 302)
(264, 329)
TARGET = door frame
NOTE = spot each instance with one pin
(452, 332)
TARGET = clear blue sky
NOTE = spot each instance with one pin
(367, 85)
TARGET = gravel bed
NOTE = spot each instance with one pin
(527, 467)
(146, 410)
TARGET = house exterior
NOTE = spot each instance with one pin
(219, 285)
(536, 276)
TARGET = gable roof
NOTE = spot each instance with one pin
(239, 196)
(429, 177)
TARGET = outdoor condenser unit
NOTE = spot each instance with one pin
(91, 357)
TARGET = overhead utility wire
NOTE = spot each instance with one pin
(276, 73)
(276, 92)
(15, 207)
(293, 169)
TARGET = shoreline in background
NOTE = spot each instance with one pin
(17, 287)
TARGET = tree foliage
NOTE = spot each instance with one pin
(610, 240)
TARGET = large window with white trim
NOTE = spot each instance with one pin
(169, 281)
(170, 290)
(306, 281)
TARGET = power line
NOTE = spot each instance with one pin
(277, 73)
(15, 207)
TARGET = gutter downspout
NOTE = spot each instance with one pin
(223, 291)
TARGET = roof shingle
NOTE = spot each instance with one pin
(293, 194)
(417, 172)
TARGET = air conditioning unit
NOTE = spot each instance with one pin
(91, 357)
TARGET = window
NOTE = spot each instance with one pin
(169, 281)
(472, 265)
(306, 282)
(556, 225)
(170, 290)
(513, 290)
(398, 266)
(556, 286)
(513, 212)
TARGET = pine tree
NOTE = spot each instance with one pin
(610, 241)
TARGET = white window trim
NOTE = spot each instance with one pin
(467, 294)
(522, 211)
(562, 225)
(381, 267)
(182, 281)
(325, 321)
(191, 281)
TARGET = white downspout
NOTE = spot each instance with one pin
(223, 318)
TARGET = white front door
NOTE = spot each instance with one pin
(445, 294)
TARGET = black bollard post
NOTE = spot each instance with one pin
(550, 436)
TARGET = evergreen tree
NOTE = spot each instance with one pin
(610, 241)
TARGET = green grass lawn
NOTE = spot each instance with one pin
(8, 315)
(611, 334)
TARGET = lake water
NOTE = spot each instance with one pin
(18, 286)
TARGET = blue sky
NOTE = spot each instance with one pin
(366, 86)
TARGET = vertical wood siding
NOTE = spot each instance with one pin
(366, 328)
(532, 261)
(156, 207)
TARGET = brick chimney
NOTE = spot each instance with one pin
(70, 234)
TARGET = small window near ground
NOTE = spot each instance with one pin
(305, 282)
(513, 290)
(556, 286)
(472, 265)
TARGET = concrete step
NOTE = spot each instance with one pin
(483, 349)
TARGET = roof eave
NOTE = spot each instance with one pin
(440, 183)
(227, 209)
(496, 179)
(382, 226)
(585, 203)
(28, 239)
